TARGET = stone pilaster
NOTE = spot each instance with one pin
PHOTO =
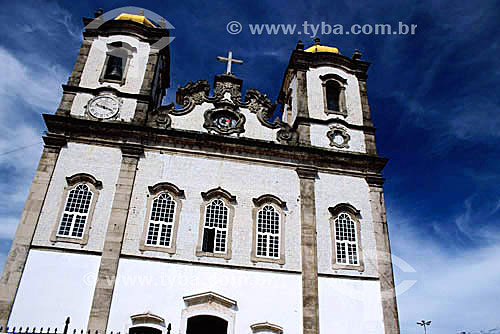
(384, 262)
(19, 250)
(369, 135)
(103, 293)
(309, 251)
(303, 129)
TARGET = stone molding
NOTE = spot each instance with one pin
(269, 198)
(177, 195)
(336, 130)
(307, 172)
(266, 327)
(72, 182)
(279, 206)
(114, 134)
(209, 297)
(341, 82)
(355, 216)
(228, 199)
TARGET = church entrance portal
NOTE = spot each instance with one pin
(206, 324)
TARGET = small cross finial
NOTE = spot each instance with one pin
(229, 60)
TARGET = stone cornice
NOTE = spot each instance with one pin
(130, 28)
(119, 133)
(97, 91)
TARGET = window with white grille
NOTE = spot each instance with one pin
(215, 229)
(161, 221)
(76, 212)
(268, 232)
(345, 240)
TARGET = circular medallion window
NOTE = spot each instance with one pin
(339, 137)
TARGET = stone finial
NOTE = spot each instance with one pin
(299, 46)
(356, 55)
(162, 23)
(141, 12)
(98, 12)
(316, 41)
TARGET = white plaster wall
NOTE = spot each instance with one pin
(331, 190)
(315, 95)
(350, 306)
(319, 138)
(197, 174)
(194, 121)
(97, 56)
(54, 286)
(126, 113)
(160, 287)
(101, 162)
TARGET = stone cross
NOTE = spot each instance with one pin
(229, 60)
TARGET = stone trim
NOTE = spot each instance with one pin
(266, 327)
(115, 133)
(18, 254)
(355, 216)
(209, 303)
(370, 145)
(177, 195)
(80, 63)
(303, 129)
(218, 193)
(209, 124)
(336, 130)
(103, 291)
(209, 297)
(279, 206)
(384, 260)
(341, 82)
(72, 182)
(228, 199)
(309, 250)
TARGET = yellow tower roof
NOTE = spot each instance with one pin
(136, 18)
(321, 48)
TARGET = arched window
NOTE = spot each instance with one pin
(332, 95)
(347, 252)
(116, 64)
(268, 231)
(345, 240)
(215, 230)
(77, 208)
(76, 211)
(216, 224)
(161, 221)
(162, 218)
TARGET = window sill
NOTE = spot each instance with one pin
(81, 241)
(280, 261)
(226, 256)
(360, 267)
(169, 250)
(336, 112)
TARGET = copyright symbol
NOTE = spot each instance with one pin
(89, 279)
(234, 27)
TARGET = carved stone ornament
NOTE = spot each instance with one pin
(224, 121)
(339, 137)
(227, 95)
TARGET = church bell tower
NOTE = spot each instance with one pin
(223, 212)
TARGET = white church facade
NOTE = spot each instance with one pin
(208, 215)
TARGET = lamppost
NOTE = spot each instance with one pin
(424, 324)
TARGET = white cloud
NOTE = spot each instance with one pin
(456, 288)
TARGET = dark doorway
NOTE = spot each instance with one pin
(206, 324)
(144, 330)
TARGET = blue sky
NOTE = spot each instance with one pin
(434, 100)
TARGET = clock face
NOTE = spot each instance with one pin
(103, 107)
(224, 120)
